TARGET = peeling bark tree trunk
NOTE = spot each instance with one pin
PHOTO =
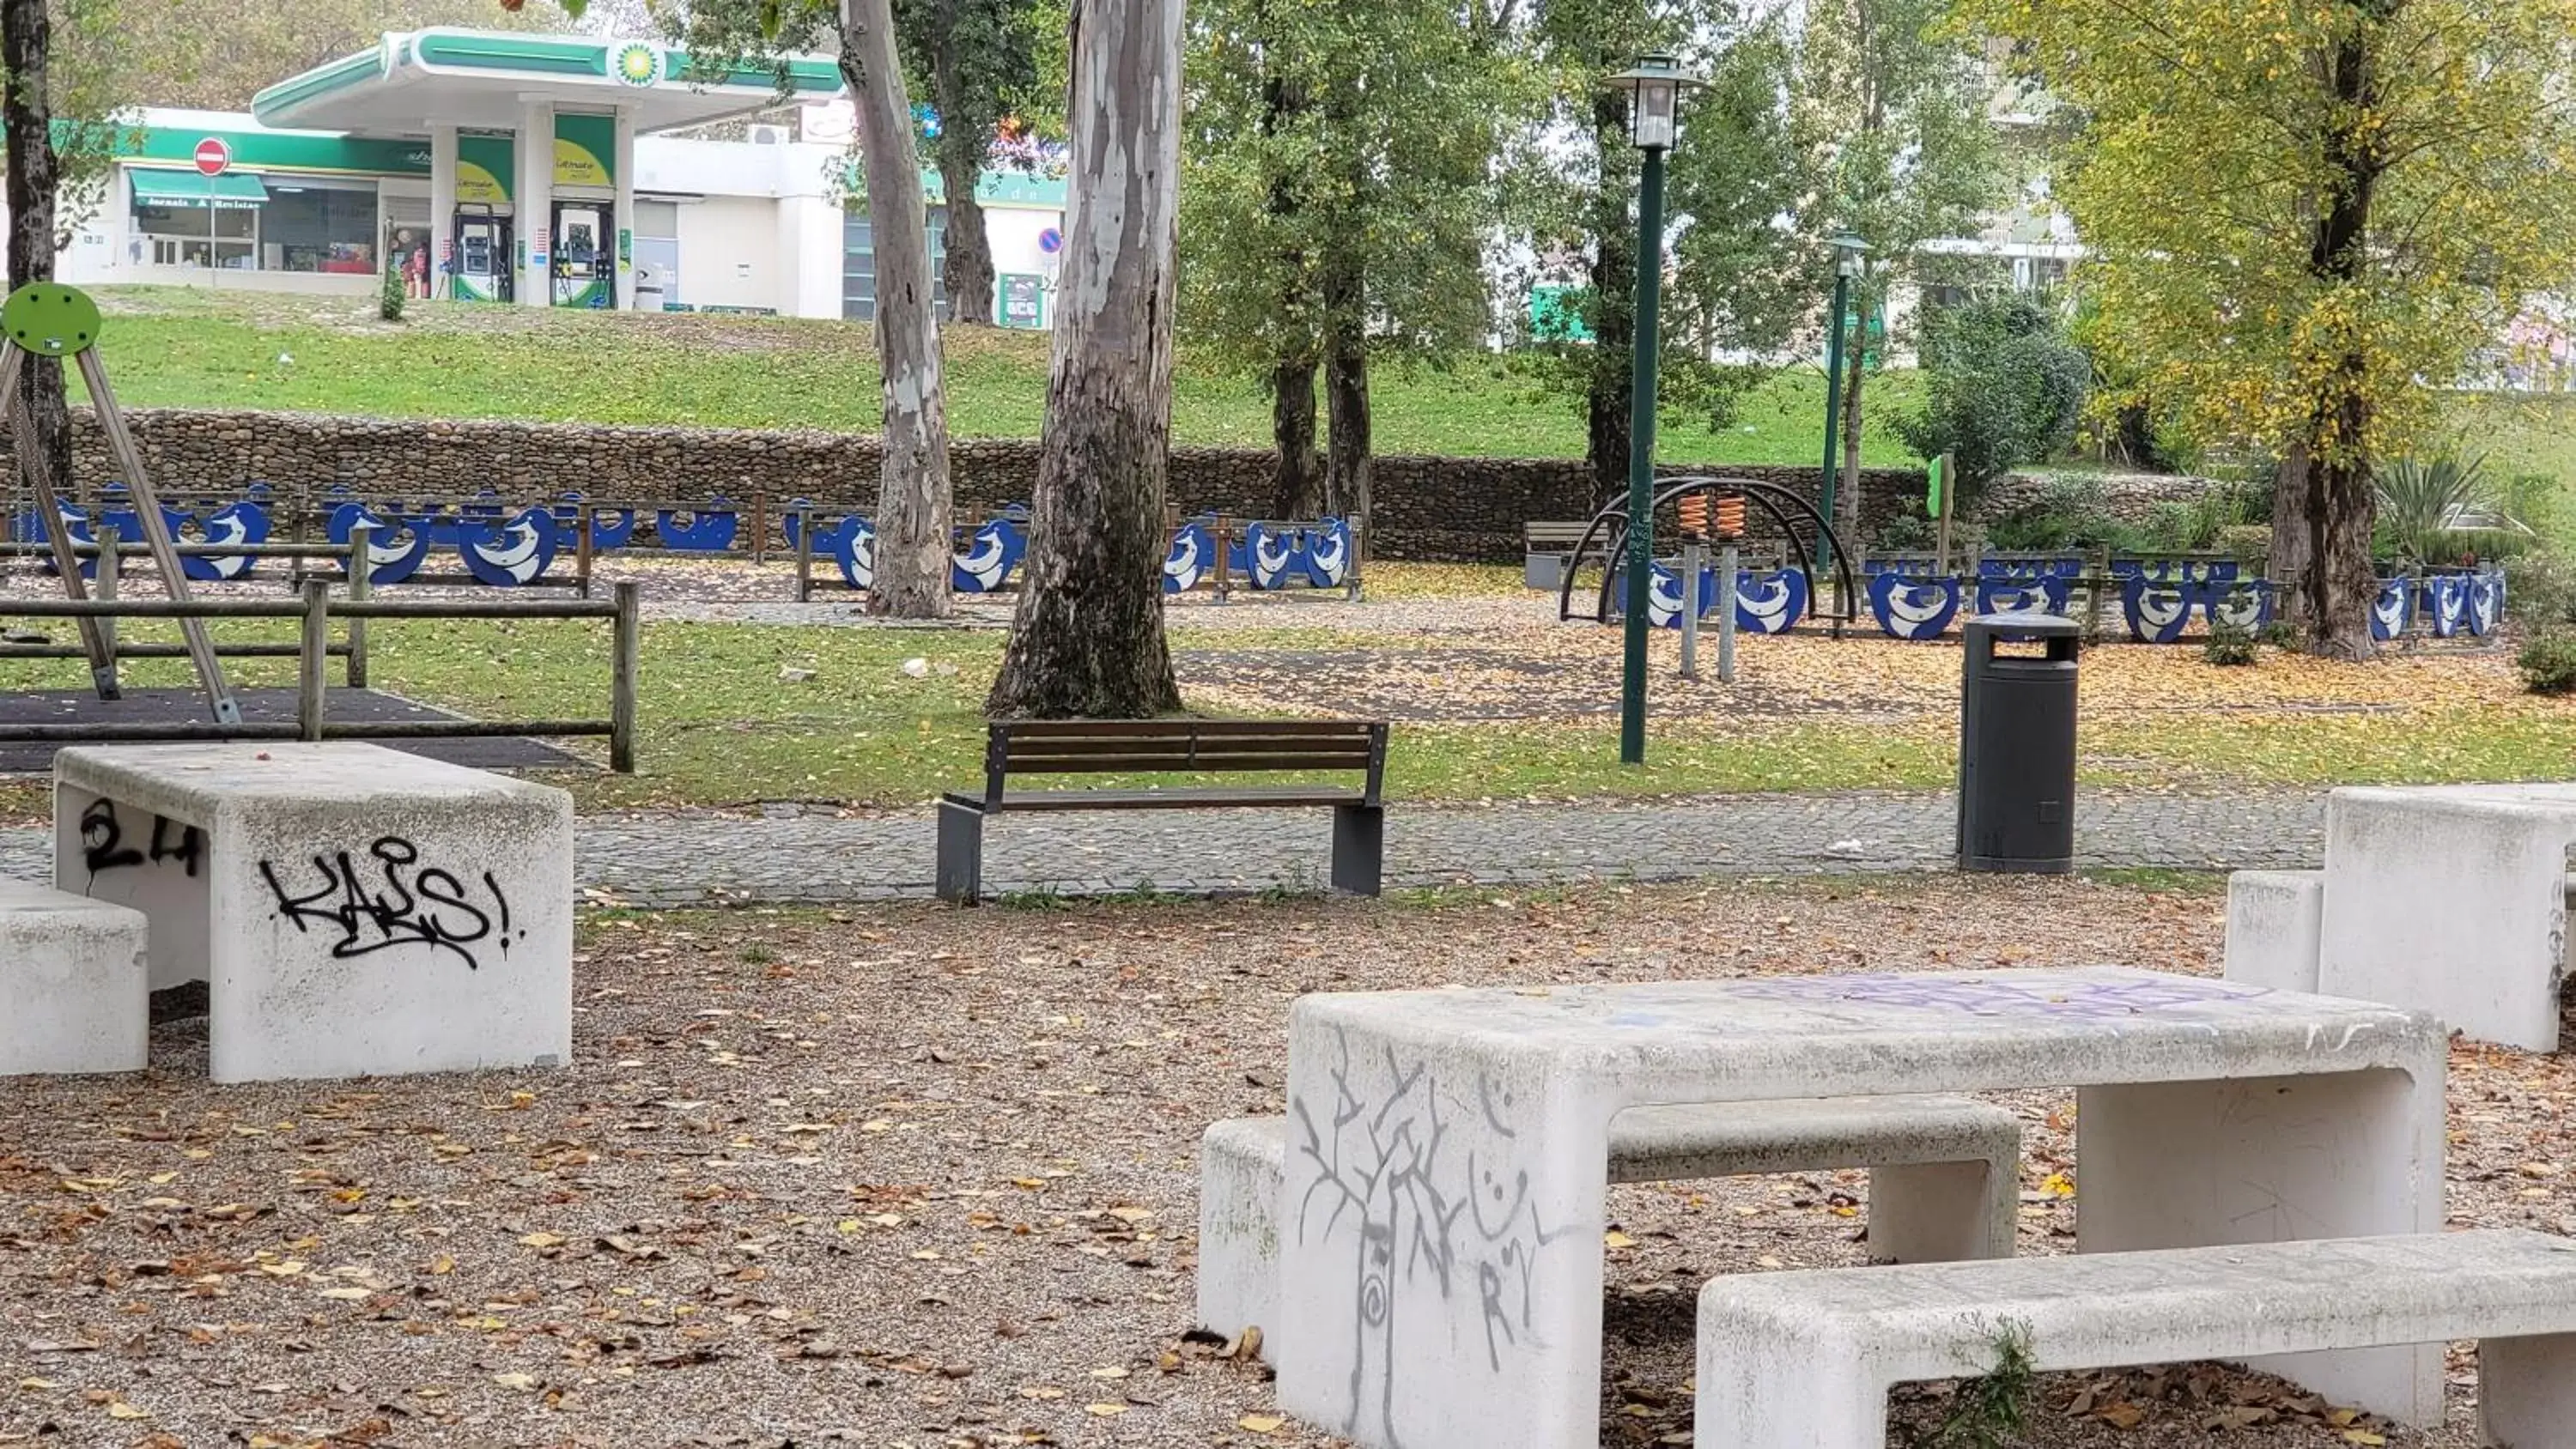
(2340, 505)
(26, 112)
(1297, 485)
(1087, 641)
(1346, 395)
(913, 547)
(1614, 290)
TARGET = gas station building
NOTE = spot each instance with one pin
(527, 169)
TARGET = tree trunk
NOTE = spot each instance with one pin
(1297, 486)
(1847, 493)
(2290, 544)
(1614, 309)
(26, 112)
(1348, 484)
(2339, 581)
(1088, 639)
(913, 547)
(968, 268)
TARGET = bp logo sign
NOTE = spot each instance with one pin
(638, 64)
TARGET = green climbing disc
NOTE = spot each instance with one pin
(50, 318)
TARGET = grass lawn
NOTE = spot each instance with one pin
(721, 726)
(180, 347)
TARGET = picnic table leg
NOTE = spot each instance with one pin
(2527, 1391)
(1359, 848)
(2262, 1160)
(1440, 1246)
(960, 875)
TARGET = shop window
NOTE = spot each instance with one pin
(859, 264)
(311, 226)
(196, 234)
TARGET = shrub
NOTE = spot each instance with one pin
(2548, 663)
(2436, 511)
(2065, 513)
(2246, 542)
(2230, 645)
(389, 300)
(2002, 387)
(2540, 589)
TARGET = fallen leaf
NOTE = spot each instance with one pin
(1260, 1423)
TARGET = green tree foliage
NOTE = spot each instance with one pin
(1737, 266)
(219, 53)
(2306, 219)
(1891, 105)
(2002, 387)
(1337, 187)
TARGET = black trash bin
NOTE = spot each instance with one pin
(2017, 744)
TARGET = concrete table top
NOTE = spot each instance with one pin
(195, 782)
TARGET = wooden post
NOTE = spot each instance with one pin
(312, 667)
(361, 583)
(1949, 463)
(2101, 584)
(110, 564)
(585, 518)
(760, 524)
(1224, 583)
(37, 474)
(622, 675)
(805, 555)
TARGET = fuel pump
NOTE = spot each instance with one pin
(480, 267)
(585, 259)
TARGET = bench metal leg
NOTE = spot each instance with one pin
(1941, 1212)
(2527, 1392)
(961, 853)
(1359, 848)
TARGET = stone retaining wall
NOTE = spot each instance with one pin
(1447, 509)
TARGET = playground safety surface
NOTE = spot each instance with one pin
(178, 706)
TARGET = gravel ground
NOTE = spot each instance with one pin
(914, 1177)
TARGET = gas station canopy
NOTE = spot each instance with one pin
(478, 79)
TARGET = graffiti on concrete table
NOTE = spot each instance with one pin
(104, 847)
(417, 905)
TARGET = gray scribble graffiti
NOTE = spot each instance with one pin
(1429, 1213)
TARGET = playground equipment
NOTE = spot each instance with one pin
(1766, 603)
(56, 321)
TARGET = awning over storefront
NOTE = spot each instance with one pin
(476, 79)
(194, 188)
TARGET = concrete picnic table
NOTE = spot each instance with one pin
(1442, 1210)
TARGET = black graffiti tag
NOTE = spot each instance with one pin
(103, 846)
(425, 907)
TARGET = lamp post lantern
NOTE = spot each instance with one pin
(1850, 253)
(1654, 90)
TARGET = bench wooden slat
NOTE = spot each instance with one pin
(1247, 797)
(1246, 745)
(1042, 729)
(1178, 764)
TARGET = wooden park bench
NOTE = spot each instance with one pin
(1175, 746)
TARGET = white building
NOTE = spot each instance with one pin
(414, 156)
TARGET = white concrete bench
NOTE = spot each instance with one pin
(2451, 900)
(73, 992)
(354, 911)
(2276, 922)
(1804, 1360)
(1944, 1180)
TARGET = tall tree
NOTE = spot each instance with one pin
(1087, 639)
(2306, 220)
(1892, 103)
(914, 499)
(1735, 283)
(63, 79)
(978, 62)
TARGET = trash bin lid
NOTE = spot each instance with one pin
(2030, 623)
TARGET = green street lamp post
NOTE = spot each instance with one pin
(1848, 252)
(1654, 91)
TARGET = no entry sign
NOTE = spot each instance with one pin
(213, 156)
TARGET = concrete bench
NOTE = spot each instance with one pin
(73, 978)
(2451, 900)
(1944, 1180)
(2276, 926)
(354, 911)
(1804, 1360)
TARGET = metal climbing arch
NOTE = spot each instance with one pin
(1785, 508)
